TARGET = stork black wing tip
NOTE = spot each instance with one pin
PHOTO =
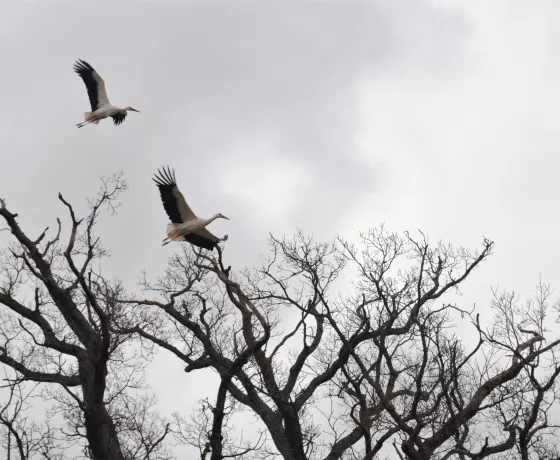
(82, 66)
(162, 180)
(165, 176)
(118, 119)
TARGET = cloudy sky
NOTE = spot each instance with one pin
(327, 116)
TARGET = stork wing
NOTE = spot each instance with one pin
(173, 202)
(94, 84)
(118, 118)
(203, 239)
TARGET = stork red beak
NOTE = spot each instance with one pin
(134, 110)
(226, 217)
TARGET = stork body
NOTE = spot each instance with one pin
(101, 108)
(185, 225)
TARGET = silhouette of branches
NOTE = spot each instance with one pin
(380, 366)
(56, 329)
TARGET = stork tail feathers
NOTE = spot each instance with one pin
(174, 232)
(89, 118)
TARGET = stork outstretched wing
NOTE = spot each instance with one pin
(173, 201)
(94, 84)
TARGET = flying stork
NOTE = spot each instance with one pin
(185, 225)
(100, 106)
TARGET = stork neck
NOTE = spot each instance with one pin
(210, 220)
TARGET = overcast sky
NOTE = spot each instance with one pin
(328, 116)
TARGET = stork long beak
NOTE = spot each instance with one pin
(226, 217)
(134, 110)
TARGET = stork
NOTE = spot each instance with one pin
(101, 108)
(185, 225)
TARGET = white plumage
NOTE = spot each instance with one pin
(101, 108)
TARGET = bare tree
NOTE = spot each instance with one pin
(202, 426)
(20, 436)
(380, 363)
(527, 405)
(326, 375)
(56, 329)
(141, 428)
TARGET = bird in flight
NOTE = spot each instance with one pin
(101, 108)
(185, 225)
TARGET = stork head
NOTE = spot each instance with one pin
(130, 109)
(221, 216)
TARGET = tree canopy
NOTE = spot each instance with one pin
(391, 364)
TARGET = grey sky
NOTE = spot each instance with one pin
(328, 116)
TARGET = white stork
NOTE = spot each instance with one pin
(185, 225)
(101, 108)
